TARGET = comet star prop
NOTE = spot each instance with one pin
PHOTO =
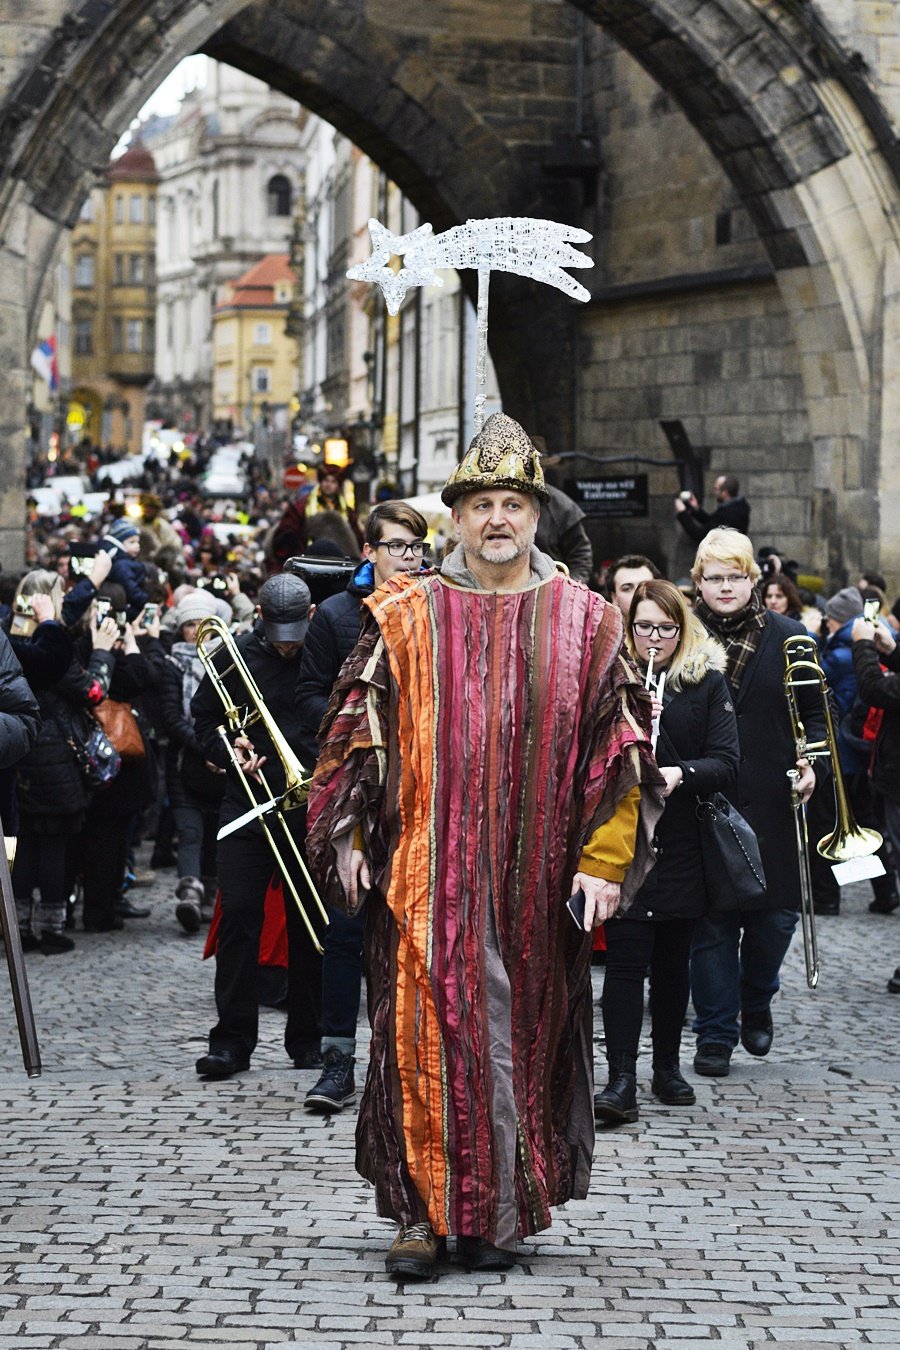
(539, 249)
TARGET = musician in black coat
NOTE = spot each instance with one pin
(244, 858)
(697, 751)
(736, 956)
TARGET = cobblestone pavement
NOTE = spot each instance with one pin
(141, 1209)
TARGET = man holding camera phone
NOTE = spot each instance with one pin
(731, 509)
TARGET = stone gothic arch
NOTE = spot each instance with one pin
(487, 122)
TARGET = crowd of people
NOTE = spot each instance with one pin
(483, 738)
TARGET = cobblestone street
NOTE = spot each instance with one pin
(143, 1210)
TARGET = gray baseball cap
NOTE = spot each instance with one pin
(284, 602)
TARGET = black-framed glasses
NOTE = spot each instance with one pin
(663, 630)
(398, 548)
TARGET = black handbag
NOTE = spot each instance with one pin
(734, 872)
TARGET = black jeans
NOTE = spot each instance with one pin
(633, 946)
(245, 867)
(342, 967)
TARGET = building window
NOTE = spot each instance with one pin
(136, 269)
(150, 345)
(262, 383)
(120, 209)
(118, 269)
(151, 210)
(134, 335)
(84, 270)
(151, 269)
(136, 209)
(278, 194)
(170, 325)
(117, 335)
(87, 209)
(84, 337)
(262, 334)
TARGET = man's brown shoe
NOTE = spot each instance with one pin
(415, 1252)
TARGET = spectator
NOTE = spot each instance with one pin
(732, 510)
(781, 595)
(625, 575)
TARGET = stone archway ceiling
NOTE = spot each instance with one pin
(744, 72)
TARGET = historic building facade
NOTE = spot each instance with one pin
(230, 171)
(254, 361)
(113, 264)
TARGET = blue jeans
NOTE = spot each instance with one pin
(341, 981)
(734, 971)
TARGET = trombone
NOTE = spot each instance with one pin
(213, 637)
(847, 840)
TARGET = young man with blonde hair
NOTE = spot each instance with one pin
(736, 956)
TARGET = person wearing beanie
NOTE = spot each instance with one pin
(245, 862)
(122, 542)
(841, 611)
(194, 790)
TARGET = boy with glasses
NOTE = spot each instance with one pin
(395, 543)
(736, 956)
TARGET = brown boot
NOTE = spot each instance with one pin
(415, 1252)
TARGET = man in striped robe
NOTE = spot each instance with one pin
(485, 754)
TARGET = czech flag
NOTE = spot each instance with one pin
(43, 360)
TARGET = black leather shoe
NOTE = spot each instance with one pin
(476, 1254)
(713, 1060)
(617, 1103)
(894, 982)
(308, 1057)
(884, 904)
(757, 1032)
(826, 907)
(126, 910)
(669, 1086)
(221, 1064)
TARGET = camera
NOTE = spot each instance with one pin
(685, 497)
(23, 621)
(217, 583)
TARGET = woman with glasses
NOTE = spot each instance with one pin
(697, 752)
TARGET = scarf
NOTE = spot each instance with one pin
(739, 634)
(184, 656)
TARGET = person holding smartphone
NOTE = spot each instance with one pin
(697, 752)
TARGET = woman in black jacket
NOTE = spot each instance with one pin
(697, 752)
(52, 798)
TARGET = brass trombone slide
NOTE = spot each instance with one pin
(213, 636)
(807, 910)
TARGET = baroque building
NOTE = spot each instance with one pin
(255, 364)
(113, 260)
(230, 170)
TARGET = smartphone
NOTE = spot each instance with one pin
(104, 609)
(575, 906)
(871, 610)
(23, 621)
(151, 611)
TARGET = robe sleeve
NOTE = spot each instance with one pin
(609, 852)
(347, 791)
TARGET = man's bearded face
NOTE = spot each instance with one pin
(496, 526)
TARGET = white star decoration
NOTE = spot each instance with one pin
(539, 249)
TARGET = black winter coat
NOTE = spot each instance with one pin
(277, 681)
(332, 635)
(19, 714)
(881, 690)
(48, 778)
(698, 733)
(188, 781)
(697, 524)
(762, 790)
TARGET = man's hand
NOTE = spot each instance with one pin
(100, 567)
(601, 898)
(807, 780)
(246, 756)
(360, 879)
(862, 631)
(105, 635)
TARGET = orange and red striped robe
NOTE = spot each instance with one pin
(478, 739)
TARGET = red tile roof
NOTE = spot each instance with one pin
(137, 163)
(256, 288)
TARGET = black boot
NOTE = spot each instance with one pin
(617, 1103)
(668, 1084)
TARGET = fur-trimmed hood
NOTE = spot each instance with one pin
(707, 654)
